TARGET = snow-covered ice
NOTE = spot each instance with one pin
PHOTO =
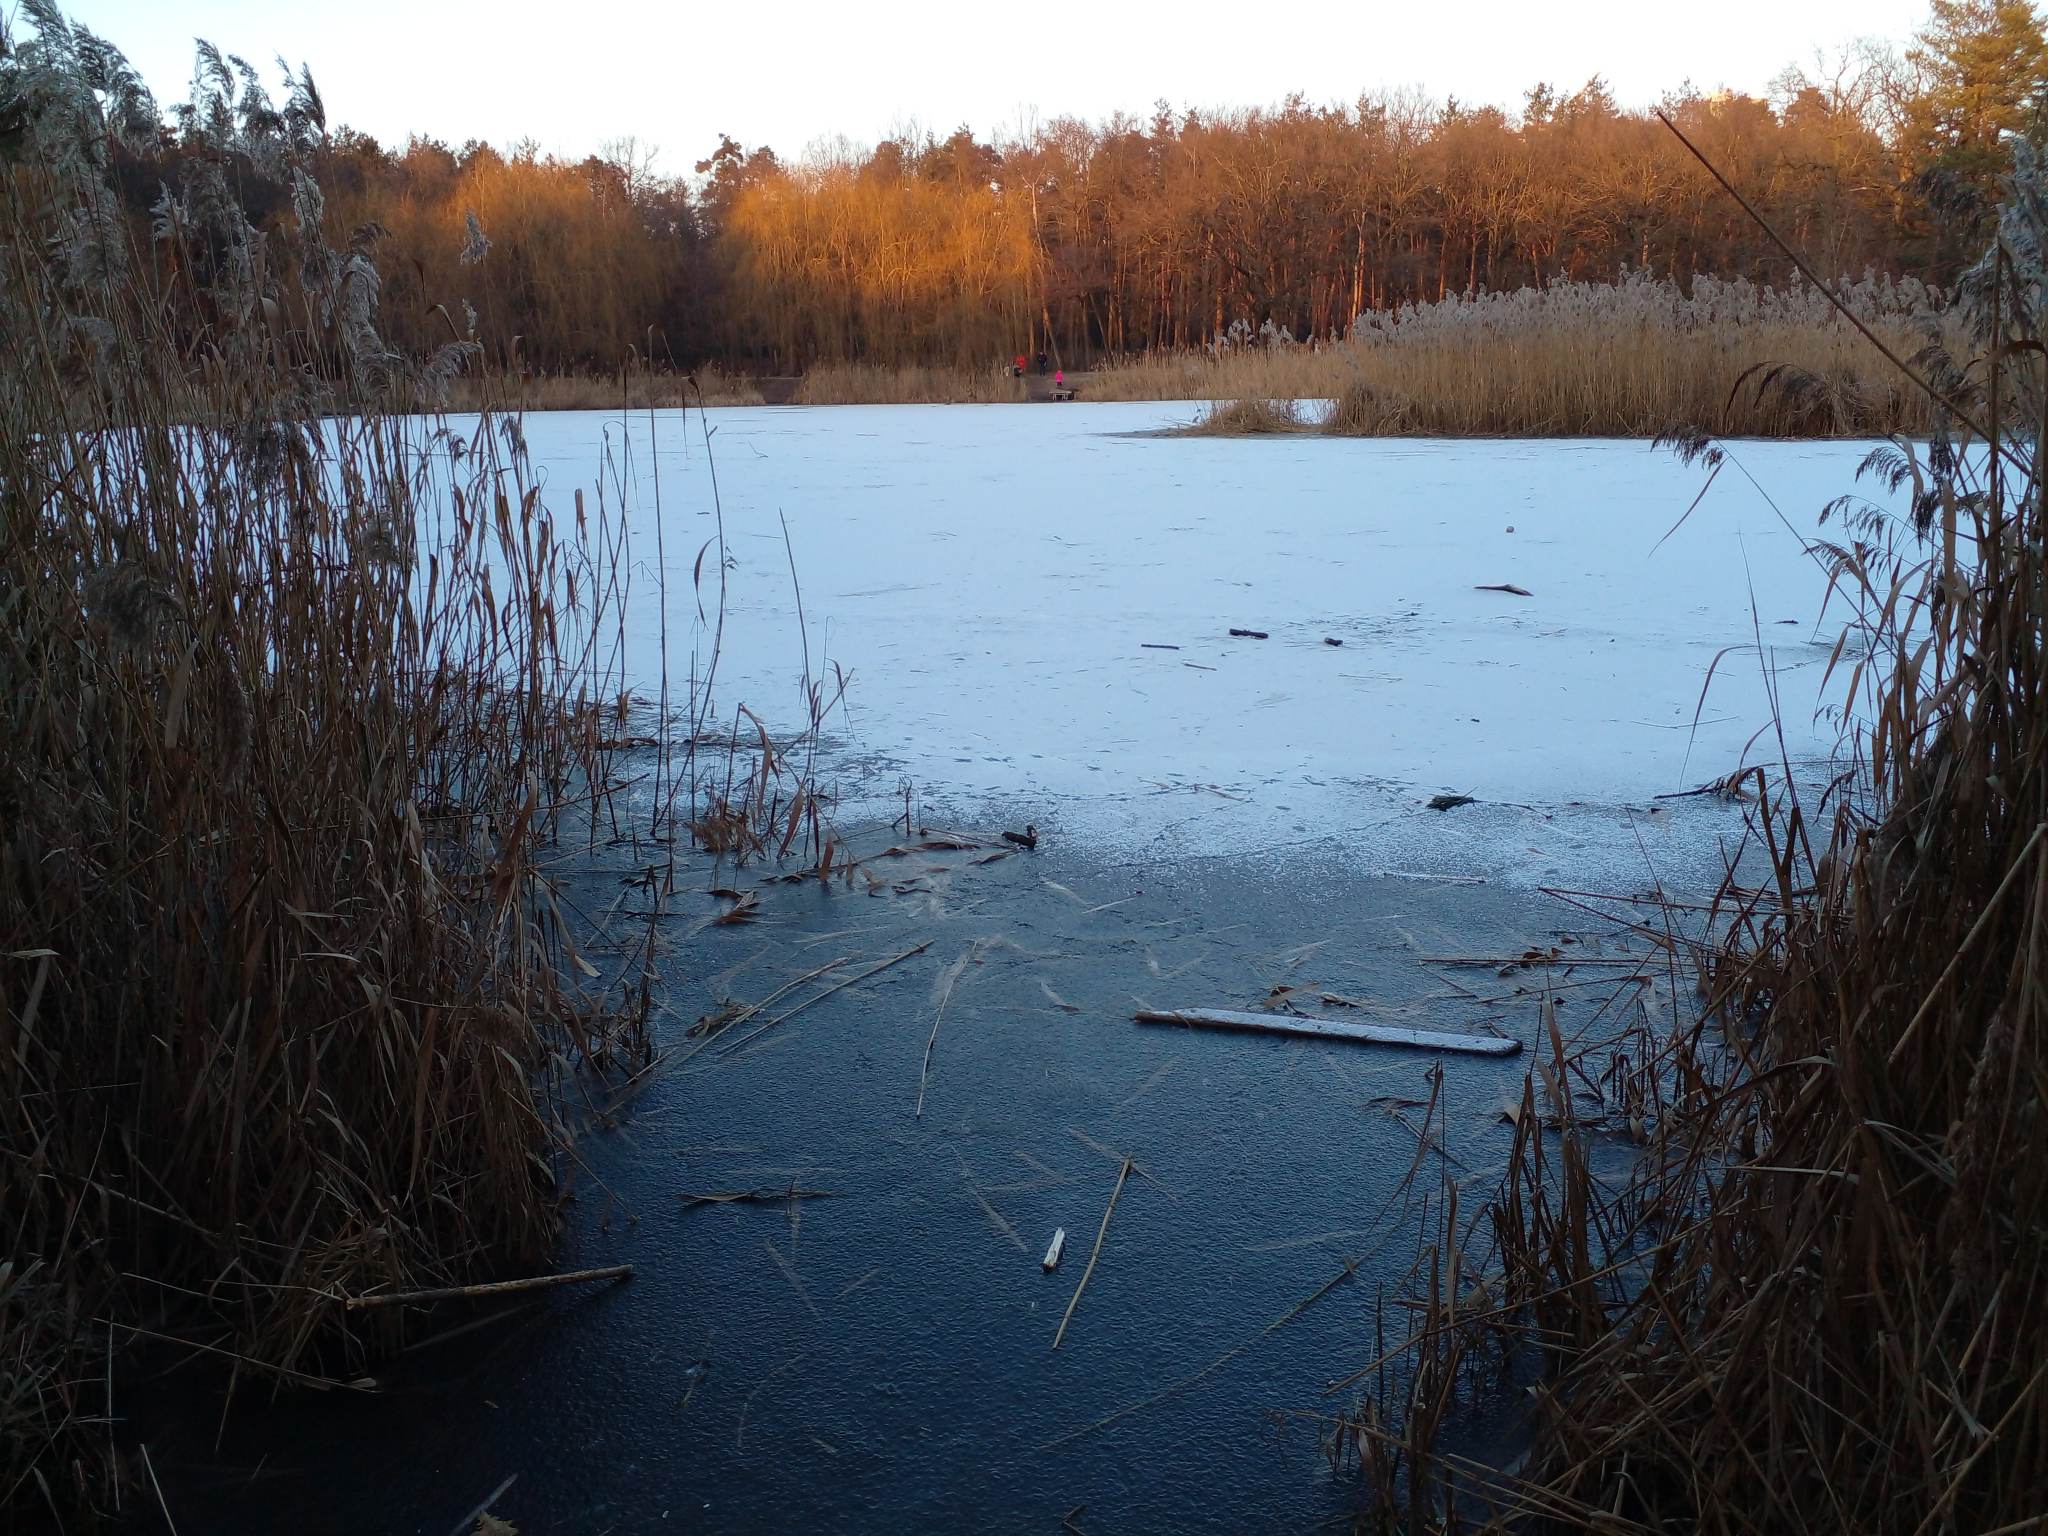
(991, 578)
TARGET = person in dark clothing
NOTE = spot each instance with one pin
(1041, 365)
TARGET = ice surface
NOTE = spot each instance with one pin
(991, 576)
(1214, 823)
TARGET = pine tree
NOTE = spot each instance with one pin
(1981, 69)
(1984, 64)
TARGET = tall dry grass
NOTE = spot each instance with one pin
(302, 692)
(1625, 359)
(1628, 359)
(1815, 1295)
(1285, 371)
(1253, 417)
(630, 389)
(907, 384)
(1636, 358)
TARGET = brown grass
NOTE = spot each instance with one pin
(1627, 359)
(635, 389)
(869, 384)
(1789, 1270)
(279, 968)
(302, 693)
(1631, 359)
(1247, 418)
(1245, 373)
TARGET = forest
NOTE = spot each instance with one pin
(1126, 236)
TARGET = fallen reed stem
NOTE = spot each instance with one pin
(758, 1196)
(489, 1288)
(1350, 1268)
(753, 1008)
(946, 985)
(157, 1488)
(784, 1017)
(996, 1217)
(467, 1525)
(1094, 1253)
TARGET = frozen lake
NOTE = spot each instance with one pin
(1001, 581)
(1225, 823)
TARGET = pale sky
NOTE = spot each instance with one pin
(790, 72)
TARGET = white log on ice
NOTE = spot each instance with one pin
(1333, 1029)
(1058, 1247)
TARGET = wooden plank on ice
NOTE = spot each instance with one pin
(1053, 1253)
(1332, 1029)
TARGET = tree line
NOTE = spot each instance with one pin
(1185, 229)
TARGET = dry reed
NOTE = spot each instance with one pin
(1247, 418)
(1793, 1274)
(300, 691)
(1635, 358)
(1626, 359)
(277, 968)
(907, 384)
(631, 389)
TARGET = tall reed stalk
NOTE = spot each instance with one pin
(1815, 1296)
(281, 760)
